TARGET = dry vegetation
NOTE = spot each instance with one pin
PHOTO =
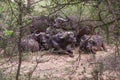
(61, 67)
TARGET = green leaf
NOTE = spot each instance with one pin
(8, 33)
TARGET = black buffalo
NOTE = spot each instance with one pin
(61, 40)
(29, 43)
(92, 43)
(65, 23)
(81, 32)
(60, 22)
(41, 23)
(43, 40)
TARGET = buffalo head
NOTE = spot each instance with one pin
(43, 40)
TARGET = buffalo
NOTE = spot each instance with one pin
(41, 23)
(29, 43)
(65, 23)
(61, 40)
(60, 22)
(81, 32)
(43, 40)
(92, 43)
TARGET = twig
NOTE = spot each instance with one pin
(30, 73)
(35, 2)
(12, 10)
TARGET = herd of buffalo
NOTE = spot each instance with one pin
(61, 35)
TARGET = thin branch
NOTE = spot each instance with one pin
(108, 23)
(57, 10)
(71, 3)
(12, 9)
(30, 73)
(35, 2)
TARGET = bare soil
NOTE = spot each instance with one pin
(63, 67)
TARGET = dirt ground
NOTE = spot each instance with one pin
(63, 67)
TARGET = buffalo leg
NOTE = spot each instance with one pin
(103, 46)
(69, 52)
